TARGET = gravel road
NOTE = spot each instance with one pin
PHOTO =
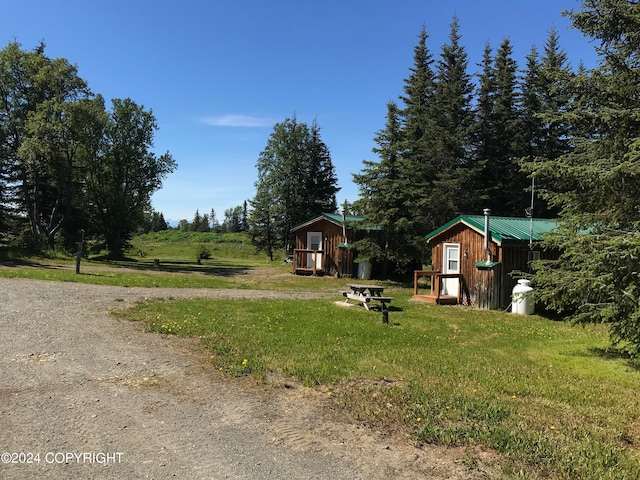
(85, 395)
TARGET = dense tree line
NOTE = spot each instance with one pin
(296, 182)
(455, 144)
(67, 163)
(236, 220)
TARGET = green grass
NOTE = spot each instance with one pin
(540, 392)
(232, 257)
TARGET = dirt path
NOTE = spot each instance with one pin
(83, 395)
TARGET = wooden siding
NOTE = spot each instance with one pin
(337, 261)
(490, 288)
(478, 286)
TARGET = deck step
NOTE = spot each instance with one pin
(441, 300)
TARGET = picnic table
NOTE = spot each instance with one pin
(365, 294)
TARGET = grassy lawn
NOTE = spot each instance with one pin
(547, 395)
(234, 263)
(543, 393)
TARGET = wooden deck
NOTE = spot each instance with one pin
(437, 299)
(308, 262)
(435, 294)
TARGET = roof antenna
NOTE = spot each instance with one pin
(529, 211)
(344, 223)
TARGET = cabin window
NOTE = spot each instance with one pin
(453, 260)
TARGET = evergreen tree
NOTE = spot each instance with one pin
(264, 230)
(506, 188)
(196, 223)
(213, 220)
(382, 200)
(244, 224)
(204, 224)
(420, 168)
(453, 114)
(547, 101)
(484, 139)
(595, 185)
(296, 174)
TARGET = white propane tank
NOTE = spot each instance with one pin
(522, 303)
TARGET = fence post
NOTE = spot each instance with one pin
(80, 245)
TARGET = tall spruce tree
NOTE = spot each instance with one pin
(547, 101)
(595, 185)
(453, 115)
(297, 178)
(419, 125)
(483, 136)
(506, 193)
(382, 200)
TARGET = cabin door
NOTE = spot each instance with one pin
(451, 264)
(314, 242)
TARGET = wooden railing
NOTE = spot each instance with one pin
(301, 261)
(436, 284)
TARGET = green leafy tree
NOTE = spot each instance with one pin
(42, 136)
(183, 225)
(595, 185)
(123, 175)
(233, 220)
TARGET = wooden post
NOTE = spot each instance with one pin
(80, 245)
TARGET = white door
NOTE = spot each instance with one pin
(314, 242)
(451, 264)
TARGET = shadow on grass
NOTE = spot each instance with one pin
(168, 266)
(174, 266)
(17, 263)
(612, 353)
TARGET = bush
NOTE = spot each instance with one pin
(202, 253)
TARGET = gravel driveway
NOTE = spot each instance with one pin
(84, 395)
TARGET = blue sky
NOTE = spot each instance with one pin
(219, 74)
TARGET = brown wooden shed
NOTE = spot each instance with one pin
(471, 271)
(322, 245)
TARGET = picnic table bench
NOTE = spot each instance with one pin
(365, 294)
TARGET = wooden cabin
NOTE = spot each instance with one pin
(473, 267)
(322, 245)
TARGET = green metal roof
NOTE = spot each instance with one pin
(335, 218)
(503, 229)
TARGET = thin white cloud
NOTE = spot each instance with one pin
(237, 121)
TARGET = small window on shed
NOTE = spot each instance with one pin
(534, 255)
